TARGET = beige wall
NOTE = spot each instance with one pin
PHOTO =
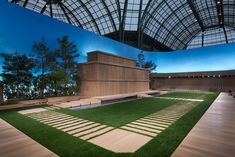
(110, 58)
(116, 75)
(217, 81)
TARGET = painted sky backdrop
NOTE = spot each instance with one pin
(19, 27)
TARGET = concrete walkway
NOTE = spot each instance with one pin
(155, 123)
(214, 134)
(75, 126)
(14, 143)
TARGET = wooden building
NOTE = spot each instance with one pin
(108, 74)
(208, 81)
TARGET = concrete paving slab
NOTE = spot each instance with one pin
(97, 133)
(139, 131)
(35, 110)
(121, 141)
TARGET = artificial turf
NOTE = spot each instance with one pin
(66, 145)
(185, 94)
(119, 114)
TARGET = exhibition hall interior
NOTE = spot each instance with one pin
(117, 78)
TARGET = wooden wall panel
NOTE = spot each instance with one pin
(106, 74)
(110, 58)
(218, 81)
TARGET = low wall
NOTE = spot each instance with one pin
(51, 100)
(63, 99)
(222, 81)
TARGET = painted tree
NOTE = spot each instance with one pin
(45, 61)
(66, 55)
(17, 74)
(140, 59)
(59, 79)
(150, 65)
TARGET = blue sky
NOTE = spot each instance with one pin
(19, 27)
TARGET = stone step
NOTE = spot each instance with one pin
(71, 124)
(52, 117)
(90, 131)
(60, 126)
(56, 120)
(139, 131)
(55, 107)
(97, 133)
(158, 119)
(77, 126)
(83, 128)
(143, 128)
(149, 126)
(46, 116)
(166, 116)
(155, 123)
(49, 108)
(62, 121)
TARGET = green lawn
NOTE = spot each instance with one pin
(184, 94)
(120, 114)
(68, 146)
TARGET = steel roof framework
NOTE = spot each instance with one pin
(177, 24)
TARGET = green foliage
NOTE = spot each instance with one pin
(141, 59)
(17, 74)
(55, 71)
(45, 61)
(150, 65)
(67, 53)
(60, 79)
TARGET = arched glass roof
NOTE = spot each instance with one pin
(173, 24)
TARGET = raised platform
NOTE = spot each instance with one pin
(78, 103)
(214, 134)
(14, 143)
(122, 96)
(95, 101)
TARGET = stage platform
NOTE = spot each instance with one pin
(127, 95)
(214, 134)
(99, 100)
(14, 143)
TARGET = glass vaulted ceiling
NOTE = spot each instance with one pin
(176, 24)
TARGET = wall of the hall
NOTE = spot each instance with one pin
(208, 81)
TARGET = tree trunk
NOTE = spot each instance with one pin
(17, 85)
(56, 93)
(43, 71)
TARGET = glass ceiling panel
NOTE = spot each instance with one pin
(177, 24)
(172, 18)
(213, 37)
(229, 12)
(207, 12)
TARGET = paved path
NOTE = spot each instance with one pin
(183, 99)
(214, 134)
(14, 143)
(75, 126)
(155, 123)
